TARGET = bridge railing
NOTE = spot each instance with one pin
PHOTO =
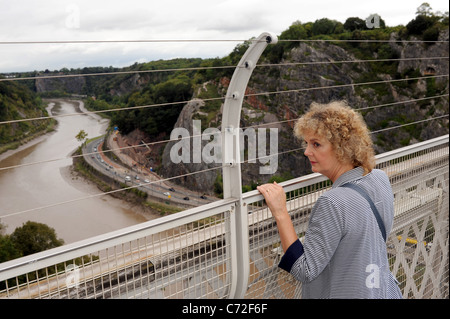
(417, 246)
(194, 253)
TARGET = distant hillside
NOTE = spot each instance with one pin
(18, 102)
(294, 65)
(340, 83)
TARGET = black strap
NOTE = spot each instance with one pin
(372, 205)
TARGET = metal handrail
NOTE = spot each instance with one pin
(53, 256)
(254, 196)
(238, 206)
(57, 255)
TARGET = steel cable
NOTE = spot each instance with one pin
(221, 98)
(188, 174)
(194, 136)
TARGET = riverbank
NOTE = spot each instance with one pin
(80, 174)
(79, 181)
(10, 149)
(83, 180)
(39, 189)
(15, 147)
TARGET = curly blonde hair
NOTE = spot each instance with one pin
(344, 128)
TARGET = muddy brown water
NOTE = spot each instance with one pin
(39, 185)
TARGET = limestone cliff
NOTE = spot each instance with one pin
(302, 73)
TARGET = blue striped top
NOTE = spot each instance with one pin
(343, 254)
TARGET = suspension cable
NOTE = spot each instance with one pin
(119, 41)
(349, 61)
(210, 40)
(187, 174)
(407, 124)
(211, 99)
(117, 73)
(357, 109)
(364, 40)
(105, 111)
(109, 192)
(197, 136)
(41, 77)
(372, 132)
(343, 85)
(221, 98)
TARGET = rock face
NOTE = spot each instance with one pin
(427, 65)
(310, 72)
(132, 83)
(203, 182)
(73, 85)
(306, 79)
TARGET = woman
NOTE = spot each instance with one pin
(343, 254)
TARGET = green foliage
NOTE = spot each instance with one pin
(33, 237)
(326, 26)
(155, 120)
(178, 82)
(421, 23)
(218, 186)
(99, 105)
(281, 178)
(354, 23)
(431, 34)
(427, 23)
(161, 88)
(218, 68)
(81, 136)
(168, 88)
(18, 102)
(30, 238)
(8, 251)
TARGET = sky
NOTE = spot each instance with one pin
(79, 20)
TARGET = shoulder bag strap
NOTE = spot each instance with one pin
(372, 205)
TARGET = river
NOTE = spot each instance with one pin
(45, 184)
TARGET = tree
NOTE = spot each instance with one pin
(324, 26)
(81, 136)
(354, 23)
(295, 32)
(8, 250)
(425, 10)
(431, 34)
(33, 237)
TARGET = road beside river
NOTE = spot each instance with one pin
(25, 190)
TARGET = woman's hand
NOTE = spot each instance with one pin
(275, 198)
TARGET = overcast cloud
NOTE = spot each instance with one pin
(66, 20)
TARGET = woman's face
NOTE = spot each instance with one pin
(323, 159)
